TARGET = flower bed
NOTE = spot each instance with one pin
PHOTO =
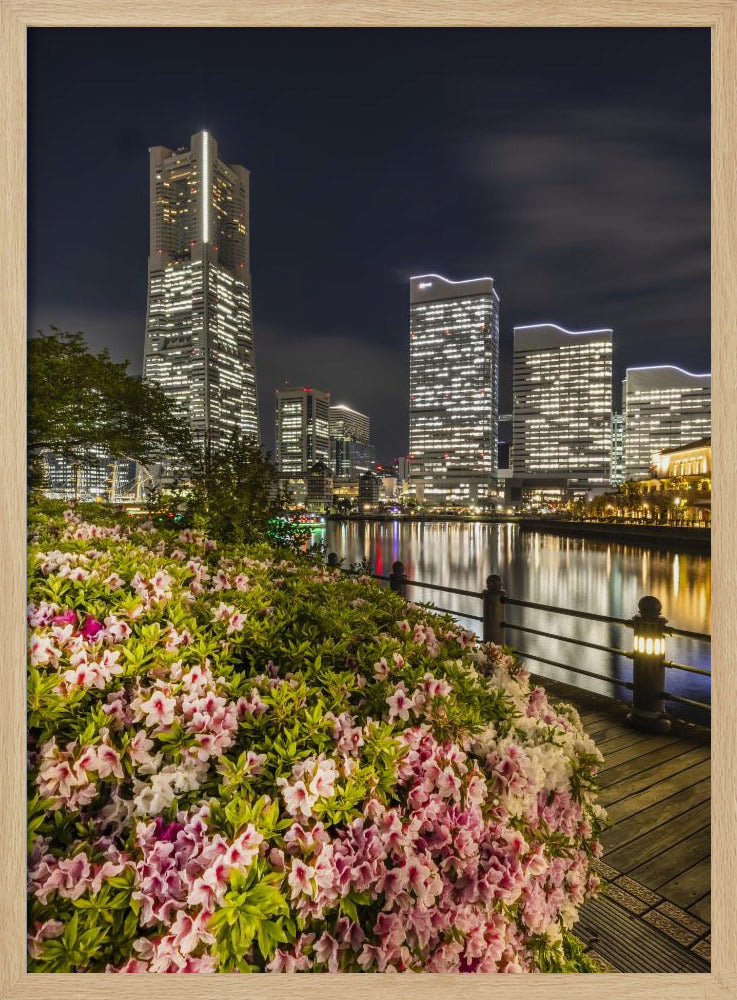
(244, 761)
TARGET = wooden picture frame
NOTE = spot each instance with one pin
(18, 15)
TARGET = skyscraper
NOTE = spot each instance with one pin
(199, 335)
(664, 407)
(562, 400)
(454, 388)
(350, 435)
(617, 477)
(302, 431)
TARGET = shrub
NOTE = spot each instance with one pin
(240, 760)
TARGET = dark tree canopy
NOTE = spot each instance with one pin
(237, 496)
(78, 401)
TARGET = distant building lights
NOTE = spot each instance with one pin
(647, 368)
(571, 333)
(205, 191)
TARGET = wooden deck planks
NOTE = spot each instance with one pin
(661, 812)
(614, 771)
(659, 841)
(687, 887)
(680, 857)
(702, 908)
(660, 792)
(648, 777)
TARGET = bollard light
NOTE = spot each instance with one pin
(648, 668)
(649, 629)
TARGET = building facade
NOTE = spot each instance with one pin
(664, 407)
(199, 332)
(302, 431)
(319, 494)
(351, 451)
(562, 404)
(617, 449)
(454, 389)
(369, 488)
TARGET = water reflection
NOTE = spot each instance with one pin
(604, 577)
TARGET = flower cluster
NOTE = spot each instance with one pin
(245, 762)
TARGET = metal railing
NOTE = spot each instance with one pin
(650, 629)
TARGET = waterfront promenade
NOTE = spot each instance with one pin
(654, 912)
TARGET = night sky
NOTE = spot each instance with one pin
(572, 165)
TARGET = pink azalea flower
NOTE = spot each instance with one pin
(91, 628)
(68, 617)
(300, 877)
(399, 705)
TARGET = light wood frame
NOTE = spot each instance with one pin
(15, 17)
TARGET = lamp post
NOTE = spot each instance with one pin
(648, 672)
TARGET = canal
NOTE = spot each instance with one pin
(607, 578)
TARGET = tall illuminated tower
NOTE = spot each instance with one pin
(199, 333)
(664, 407)
(562, 400)
(454, 389)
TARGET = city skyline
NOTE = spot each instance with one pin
(589, 208)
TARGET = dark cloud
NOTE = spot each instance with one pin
(601, 220)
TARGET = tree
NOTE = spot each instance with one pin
(236, 497)
(79, 403)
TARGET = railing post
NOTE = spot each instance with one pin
(493, 598)
(648, 671)
(398, 578)
(333, 561)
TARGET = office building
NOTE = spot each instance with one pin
(369, 488)
(199, 335)
(617, 449)
(302, 431)
(664, 407)
(319, 494)
(454, 389)
(562, 404)
(351, 451)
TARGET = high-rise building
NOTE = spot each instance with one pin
(199, 334)
(302, 431)
(664, 407)
(454, 389)
(351, 451)
(562, 399)
(617, 449)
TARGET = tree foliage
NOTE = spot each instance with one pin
(79, 402)
(236, 497)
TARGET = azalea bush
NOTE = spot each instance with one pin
(240, 760)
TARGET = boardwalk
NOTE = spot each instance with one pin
(654, 914)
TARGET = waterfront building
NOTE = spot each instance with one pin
(319, 487)
(664, 407)
(562, 400)
(369, 487)
(691, 461)
(351, 451)
(617, 449)
(199, 333)
(454, 389)
(302, 431)
(679, 484)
